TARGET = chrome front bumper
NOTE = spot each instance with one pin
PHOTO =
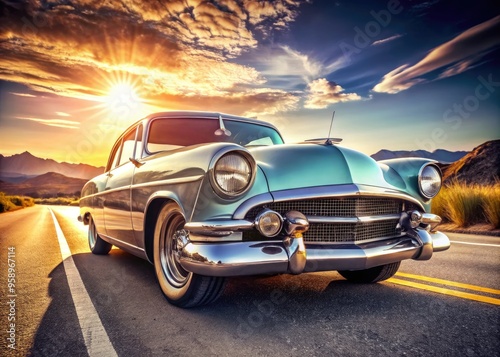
(293, 256)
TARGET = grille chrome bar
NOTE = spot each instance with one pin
(367, 219)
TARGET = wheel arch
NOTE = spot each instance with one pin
(153, 208)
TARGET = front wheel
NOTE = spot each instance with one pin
(371, 275)
(180, 287)
(96, 244)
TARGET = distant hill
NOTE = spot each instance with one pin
(48, 184)
(481, 166)
(19, 167)
(440, 155)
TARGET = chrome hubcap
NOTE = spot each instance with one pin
(169, 259)
(92, 235)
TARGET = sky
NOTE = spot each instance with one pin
(400, 75)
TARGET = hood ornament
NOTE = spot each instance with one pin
(222, 129)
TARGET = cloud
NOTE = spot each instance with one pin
(173, 48)
(301, 63)
(62, 114)
(385, 40)
(252, 103)
(322, 93)
(458, 55)
(280, 12)
(67, 124)
(23, 95)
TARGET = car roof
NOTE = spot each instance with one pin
(206, 115)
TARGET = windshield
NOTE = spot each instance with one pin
(174, 133)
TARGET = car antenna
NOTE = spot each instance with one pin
(328, 139)
(222, 129)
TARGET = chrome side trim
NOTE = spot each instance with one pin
(169, 181)
(149, 184)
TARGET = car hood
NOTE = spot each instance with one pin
(294, 166)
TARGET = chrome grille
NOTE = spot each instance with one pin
(351, 232)
(341, 207)
(335, 207)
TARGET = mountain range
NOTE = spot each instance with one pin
(49, 184)
(19, 167)
(443, 156)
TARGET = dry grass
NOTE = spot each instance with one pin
(465, 205)
(12, 203)
(63, 201)
(492, 206)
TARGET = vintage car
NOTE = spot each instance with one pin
(206, 196)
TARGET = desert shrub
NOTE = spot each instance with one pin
(466, 205)
(9, 203)
(5, 203)
(438, 205)
(16, 200)
(28, 201)
(492, 206)
(63, 201)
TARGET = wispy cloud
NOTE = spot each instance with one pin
(460, 53)
(68, 124)
(23, 95)
(62, 114)
(385, 40)
(322, 93)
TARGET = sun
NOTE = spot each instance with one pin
(122, 98)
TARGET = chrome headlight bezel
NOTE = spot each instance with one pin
(423, 180)
(218, 186)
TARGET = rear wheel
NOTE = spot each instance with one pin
(371, 275)
(180, 287)
(96, 244)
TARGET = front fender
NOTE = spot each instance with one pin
(403, 173)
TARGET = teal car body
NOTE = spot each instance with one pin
(204, 196)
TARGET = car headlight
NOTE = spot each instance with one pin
(429, 180)
(233, 173)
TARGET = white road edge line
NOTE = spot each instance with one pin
(481, 244)
(95, 336)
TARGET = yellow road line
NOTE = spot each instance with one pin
(449, 283)
(445, 291)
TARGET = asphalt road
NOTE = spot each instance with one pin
(317, 314)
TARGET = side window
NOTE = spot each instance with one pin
(127, 147)
(139, 145)
(115, 156)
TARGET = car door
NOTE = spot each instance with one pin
(117, 215)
